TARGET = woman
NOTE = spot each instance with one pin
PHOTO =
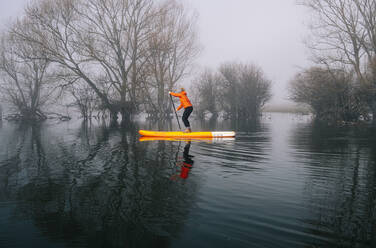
(186, 104)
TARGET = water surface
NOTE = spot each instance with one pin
(284, 182)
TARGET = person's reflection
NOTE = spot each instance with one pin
(186, 164)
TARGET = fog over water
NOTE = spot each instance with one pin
(269, 33)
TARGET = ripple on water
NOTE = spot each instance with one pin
(284, 184)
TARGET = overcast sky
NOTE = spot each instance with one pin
(268, 33)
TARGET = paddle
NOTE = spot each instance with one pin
(176, 114)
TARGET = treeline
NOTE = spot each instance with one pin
(116, 58)
(119, 57)
(236, 91)
(341, 87)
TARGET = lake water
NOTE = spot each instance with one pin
(284, 182)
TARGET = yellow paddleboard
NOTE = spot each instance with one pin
(147, 133)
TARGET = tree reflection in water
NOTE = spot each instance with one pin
(340, 184)
(287, 183)
(99, 184)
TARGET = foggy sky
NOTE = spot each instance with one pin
(268, 33)
(10, 9)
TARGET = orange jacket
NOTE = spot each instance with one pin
(184, 101)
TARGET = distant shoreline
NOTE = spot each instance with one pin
(295, 109)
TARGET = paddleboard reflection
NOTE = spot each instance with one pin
(185, 164)
(144, 138)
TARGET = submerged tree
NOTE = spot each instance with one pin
(172, 47)
(239, 91)
(84, 99)
(206, 94)
(331, 94)
(115, 46)
(344, 36)
(26, 83)
(97, 40)
(244, 90)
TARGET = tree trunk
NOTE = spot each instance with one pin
(113, 116)
(161, 100)
(374, 112)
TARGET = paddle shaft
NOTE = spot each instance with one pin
(176, 114)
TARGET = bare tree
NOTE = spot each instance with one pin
(206, 92)
(238, 90)
(118, 47)
(84, 99)
(27, 84)
(229, 89)
(101, 41)
(172, 48)
(344, 36)
(331, 94)
(337, 34)
(117, 32)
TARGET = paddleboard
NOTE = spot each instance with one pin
(148, 133)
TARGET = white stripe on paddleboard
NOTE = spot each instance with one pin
(223, 134)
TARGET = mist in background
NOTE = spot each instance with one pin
(268, 33)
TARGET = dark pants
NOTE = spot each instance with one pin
(186, 114)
